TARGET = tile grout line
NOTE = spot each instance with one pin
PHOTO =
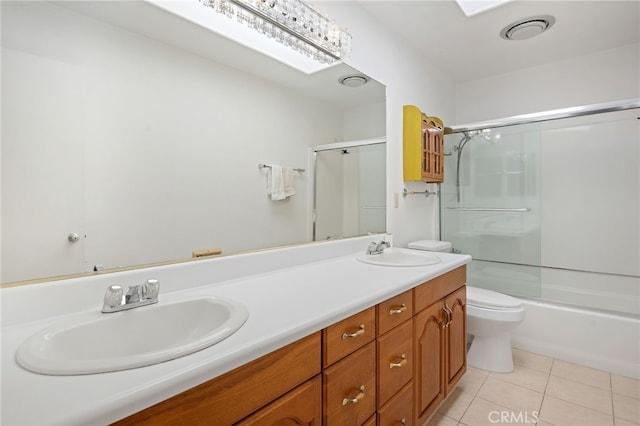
(544, 393)
(475, 395)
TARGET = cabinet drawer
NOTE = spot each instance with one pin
(350, 388)
(302, 406)
(344, 337)
(224, 400)
(395, 360)
(370, 422)
(394, 311)
(399, 410)
(433, 290)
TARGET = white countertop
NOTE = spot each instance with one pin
(284, 305)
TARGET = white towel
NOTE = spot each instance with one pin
(287, 177)
(280, 182)
(275, 183)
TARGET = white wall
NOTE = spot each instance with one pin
(410, 79)
(605, 76)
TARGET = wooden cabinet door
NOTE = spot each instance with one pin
(432, 152)
(302, 406)
(456, 336)
(428, 359)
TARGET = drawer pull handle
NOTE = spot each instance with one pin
(396, 310)
(403, 422)
(402, 363)
(356, 399)
(356, 333)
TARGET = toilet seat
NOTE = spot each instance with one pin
(487, 299)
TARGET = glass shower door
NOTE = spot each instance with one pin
(490, 206)
(350, 191)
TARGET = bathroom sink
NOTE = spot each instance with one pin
(98, 343)
(400, 257)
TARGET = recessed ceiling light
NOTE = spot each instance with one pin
(354, 80)
(527, 28)
(473, 7)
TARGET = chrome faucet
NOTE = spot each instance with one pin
(377, 247)
(116, 300)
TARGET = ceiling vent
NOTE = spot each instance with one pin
(527, 28)
(354, 80)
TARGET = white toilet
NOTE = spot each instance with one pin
(490, 318)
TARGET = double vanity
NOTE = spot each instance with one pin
(318, 333)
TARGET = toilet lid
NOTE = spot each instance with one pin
(484, 298)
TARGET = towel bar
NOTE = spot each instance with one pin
(268, 166)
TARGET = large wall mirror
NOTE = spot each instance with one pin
(141, 134)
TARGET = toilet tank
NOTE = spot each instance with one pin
(431, 245)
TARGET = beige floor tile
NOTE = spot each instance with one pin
(626, 408)
(482, 413)
(621, 422)
(581, 394)
(456, 404)
(525, 377)
(514, 397)
(541, 423)
(563, 413)
(439, 420)
(533, 361)
(578, 373)
(625, 386)
(472, 380)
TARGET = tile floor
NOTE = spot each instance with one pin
(541, 391)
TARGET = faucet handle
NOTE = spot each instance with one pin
(113, 296)
(152, 288)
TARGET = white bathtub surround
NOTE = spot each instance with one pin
(605, 341)
(289, 293)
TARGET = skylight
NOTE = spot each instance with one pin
(474, 7)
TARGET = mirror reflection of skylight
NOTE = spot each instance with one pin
(474, 7)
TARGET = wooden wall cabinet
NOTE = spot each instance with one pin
(439, 340)
(389, 365)
(423, 146)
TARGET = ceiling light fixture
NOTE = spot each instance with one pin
(292, 23)
(527, 28)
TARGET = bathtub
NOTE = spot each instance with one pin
(602, 340)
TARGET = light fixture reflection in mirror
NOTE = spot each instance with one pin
(146, 147)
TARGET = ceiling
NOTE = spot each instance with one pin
(471, 48)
